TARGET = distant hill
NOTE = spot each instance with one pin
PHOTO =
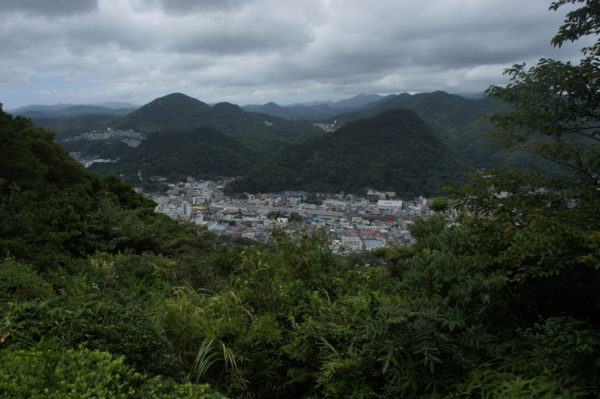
(65, 128)
(357, 101)
(176, 114)
(393, 151)
(203, 153)
(179, 113)
(460, 123)
(65, 111)
(315, 111)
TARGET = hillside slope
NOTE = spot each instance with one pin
(460, 123)
(204, 152)
(394, 151)
(180, 113)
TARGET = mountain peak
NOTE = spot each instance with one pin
(178, 98)
(225, 106)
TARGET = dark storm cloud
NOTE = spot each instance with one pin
(49, 7)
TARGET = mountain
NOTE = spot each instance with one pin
(65, 111)
(296, 112)
(460, 123)
(117, 105)
(179, 113)
(315, 110)
(394, 151)
(203, 153)
(357, 101)
(439, 106)
(66, 128)
(172, 112)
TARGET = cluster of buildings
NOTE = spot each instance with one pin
(353, 223)
(129, 137)
(328, 126)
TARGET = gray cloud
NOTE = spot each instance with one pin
(49, 8)
(179, 7)
(262, 50)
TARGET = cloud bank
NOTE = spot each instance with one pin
(253, 51)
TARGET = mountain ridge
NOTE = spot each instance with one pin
(394, 151)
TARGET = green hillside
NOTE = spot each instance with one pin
(69, 111)
(53, 209)
(203, 153)
(179, 113)
(460, 123)
(315, 112)
(65, 128)
(393, 151)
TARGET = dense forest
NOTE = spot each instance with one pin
(179, 113)
(101, 297)
(203, 153)
(393, 151)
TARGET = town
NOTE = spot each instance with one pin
(353, 223)
(129, 136)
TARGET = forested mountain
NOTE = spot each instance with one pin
(184, 136)
(317, 111)
(460, 123)
(65, 128)
(179, 113)
(394, 151)
(202, 153)
(70, 111)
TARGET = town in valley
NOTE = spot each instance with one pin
(353, 223)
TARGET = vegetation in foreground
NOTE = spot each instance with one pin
(101, 297)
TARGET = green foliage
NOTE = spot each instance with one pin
(73, 126)
(556, 107)
(107, 149)
(70, 374)
(399, 153)
(179, 113)
(438, 204)
(294, 321)
(19, 281)
(95, 321)
(202, 152)
(296, 218)
(460, 124)
(53, 210)
(313, 198)
(41, 165)
(540, 234)
(51, 372)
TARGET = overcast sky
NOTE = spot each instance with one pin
(255, 51)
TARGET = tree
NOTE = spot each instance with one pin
(557, 104)
(540, 232)
(438, 204)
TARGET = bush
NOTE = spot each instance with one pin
(95, 322)
(20, 281)
(49, 372)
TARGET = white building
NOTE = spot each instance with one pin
(390, 205)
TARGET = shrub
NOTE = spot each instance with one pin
(96, 322)
(49, 372)
(20, 281)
